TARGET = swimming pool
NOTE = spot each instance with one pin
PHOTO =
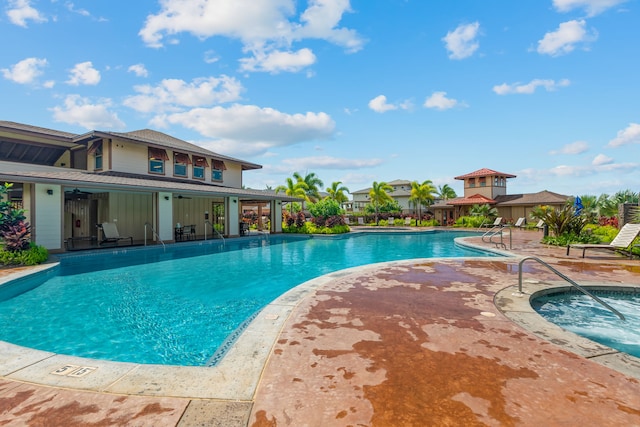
(584, 316)
(177, 307)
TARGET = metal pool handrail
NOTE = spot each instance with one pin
(574, 284)
(153, 232)
(214, 231)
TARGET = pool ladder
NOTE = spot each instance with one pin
(214, 231)
(153, 233)
(496, 230)
(562, 276)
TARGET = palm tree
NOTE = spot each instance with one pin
(422, 195)
(445, 192)
(378, 195)
(336, 192)
(293, 189)
(313, 184)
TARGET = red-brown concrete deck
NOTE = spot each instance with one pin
(404, 344)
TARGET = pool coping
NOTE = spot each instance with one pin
(238, 373)
(516, 306)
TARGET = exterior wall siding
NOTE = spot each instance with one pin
(47, 226)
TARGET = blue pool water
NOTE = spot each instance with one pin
(176, 307)
(584, 316)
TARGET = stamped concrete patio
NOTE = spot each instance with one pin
(411, 343)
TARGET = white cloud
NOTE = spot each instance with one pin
(139, 70)
(461, 42)
(21, 11)
(25, 71)
(84, 74)
(577, 147)
(71, 7)
(529, 88)
(210, 57)
(263, 26)
(593, 7)
(277, 61)
(251, 130)
(175, 94)
(379, 104)
(565, 38)
(601, 160)
(323, 162)
(439, 101)
(630, 135)
(80, 111)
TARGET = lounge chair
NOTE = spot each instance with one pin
(520, 222)
(496, 223)
(110, 234)
(347, 221)
(360, 220)
(540, 225)
(407, 221)
(622, 242)
(390, 221)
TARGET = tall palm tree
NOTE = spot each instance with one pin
(422, 195)
(293, 189)
(445, 192)
(313, 184)
(378, 195)
(336, 192)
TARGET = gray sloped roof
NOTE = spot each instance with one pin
(10, 172)
(36, 129)
(541, 198)
(162, 140)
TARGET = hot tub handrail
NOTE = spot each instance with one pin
(574, 284)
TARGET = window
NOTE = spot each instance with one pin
(217, 167)
(180, 163)
(96, 151)
(483, 182)
(472, 182)
(157, 157)
(199, 164)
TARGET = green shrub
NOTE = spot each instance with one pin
(311, 228)
(34, 255)
(470, 221)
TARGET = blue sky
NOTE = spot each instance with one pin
(355, 91)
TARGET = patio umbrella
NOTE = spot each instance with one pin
(577, 205)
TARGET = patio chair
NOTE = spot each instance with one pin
(540, 225)
(520, 222)
(407, 221)
(190, 231)
(347, 221)
(622, 241)
(390, 221)
(360, 220)
(110, 234)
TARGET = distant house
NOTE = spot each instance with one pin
(145, 181)
(401, 193)
(486, 186)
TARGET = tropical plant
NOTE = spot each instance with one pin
(312, 185)
(378, 195)
(422, 195)
(625, 196)
(293, 189)
(326, 211)
(606, 206)
(445, 192)
(590, 208)
(560, 221)
(337, 192)
(15, 232)
(485, 211)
